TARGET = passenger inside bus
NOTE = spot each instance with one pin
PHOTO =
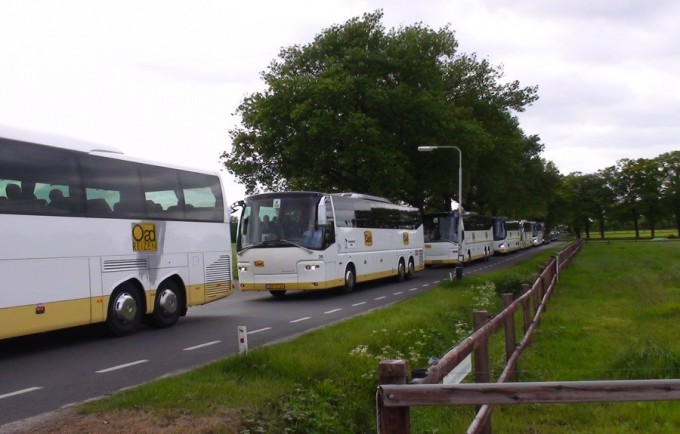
(269, 230)
(13, 192)
(312, 236)
(57, 200)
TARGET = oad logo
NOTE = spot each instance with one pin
(405, 237)
(368, 238)
(144, 237)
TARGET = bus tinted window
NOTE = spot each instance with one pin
(33, 171)
(54, 181)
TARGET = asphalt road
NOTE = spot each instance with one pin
(44, 372)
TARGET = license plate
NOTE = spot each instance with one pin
(275, 286)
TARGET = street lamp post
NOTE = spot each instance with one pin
(459, 265)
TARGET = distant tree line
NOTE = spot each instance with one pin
(348, 111)
(630, 195)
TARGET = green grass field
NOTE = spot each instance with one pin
(614, 315)
(644, 234)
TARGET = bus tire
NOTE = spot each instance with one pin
(401, 271)
(411, 270)
(350, 280)
(167, 306)
(277, 292)
(125, 310)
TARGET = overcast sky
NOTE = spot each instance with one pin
(162, 79)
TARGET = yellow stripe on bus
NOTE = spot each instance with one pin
(23, 320)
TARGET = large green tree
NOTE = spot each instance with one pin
(348, 111)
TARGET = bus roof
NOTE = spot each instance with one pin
(79, 145)
(54, 140)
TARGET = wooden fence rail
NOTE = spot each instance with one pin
(396, 395)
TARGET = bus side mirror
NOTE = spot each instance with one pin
(236, 205)
(321, 213)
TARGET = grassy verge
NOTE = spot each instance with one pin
(615, 316)
(608, 319)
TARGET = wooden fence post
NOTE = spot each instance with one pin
(481, 352)
(526, 306)
(545, 285)
(392, 420)
(481, 359)
(510, 339)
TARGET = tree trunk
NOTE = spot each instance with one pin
(635, 223)
(601, 218)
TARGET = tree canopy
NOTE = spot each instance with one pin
(348, 111)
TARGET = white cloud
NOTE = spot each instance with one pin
(161, 79)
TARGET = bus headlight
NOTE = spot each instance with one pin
(312, 267)
(242, 268)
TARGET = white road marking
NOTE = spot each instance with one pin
(207, 344)
(115, 368)
(380, 298)
(19, 392)
(259, 330)
(300, 319)
(397, 293)
(358, 304)
(333, 311)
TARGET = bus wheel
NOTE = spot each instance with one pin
(166, 306)
(401, 271)
(125, 310)
(350, 280)
(277, 292)
(411, 270)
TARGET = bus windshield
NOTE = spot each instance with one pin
(440, 227)
(281, 220)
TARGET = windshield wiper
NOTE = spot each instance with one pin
(273, 243)
(251, 246)
(297, 245)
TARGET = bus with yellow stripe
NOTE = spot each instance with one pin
(90, 235)
(309, 241)
(443, 230)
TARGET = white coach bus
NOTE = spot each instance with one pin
(441, 238)
(528, 233)
(539, 235)
(92, 236)
(507, 235)
(308, 241)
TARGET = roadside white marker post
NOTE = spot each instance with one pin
(242, 340)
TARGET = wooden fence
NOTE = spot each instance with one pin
(395, 395)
